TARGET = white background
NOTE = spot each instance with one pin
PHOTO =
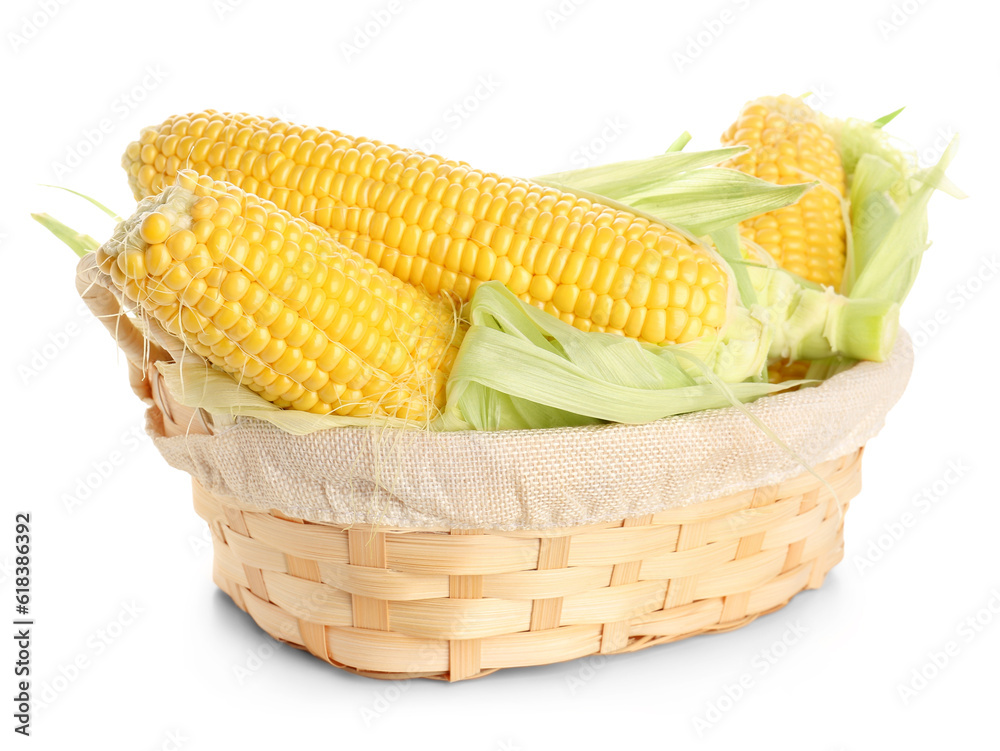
(556, 75)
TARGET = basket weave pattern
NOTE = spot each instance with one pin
(457, 604)
(453, 604)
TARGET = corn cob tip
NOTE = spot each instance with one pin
(447, 228)
(272, 300)
(787, 144)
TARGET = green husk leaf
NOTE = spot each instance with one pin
(803, 323)
(886, 119)
(597, 376)
(680, 142)
(681, 189)
(518, 368)
(79, 243)
(94, 201)
(872, 174)
(887, 270)
(873, 211)
(711, 199)
(888, 198)
(727, 242)
(857, 138)
(620, 180)
(938, 180)
(822, 370)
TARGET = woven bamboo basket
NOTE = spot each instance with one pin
(456, 604)
(453, 604)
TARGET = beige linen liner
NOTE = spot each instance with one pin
(538, 479)
(510, 480)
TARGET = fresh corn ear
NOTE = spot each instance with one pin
(303, 321)
(787, 144)
(447, 227)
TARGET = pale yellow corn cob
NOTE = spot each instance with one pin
(787, 144)
(305, 322)
(447, 227)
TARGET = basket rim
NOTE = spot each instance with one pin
(510, 479)
(898, 364)
(538, 479)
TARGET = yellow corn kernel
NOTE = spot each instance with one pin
(133, 264)
(154, 228)
(178, 277)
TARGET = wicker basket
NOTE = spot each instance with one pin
(404, 603)
(459, 603)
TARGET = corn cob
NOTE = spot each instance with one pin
(788, 145)
(271, 299)
(448, 228)
(787, 370)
